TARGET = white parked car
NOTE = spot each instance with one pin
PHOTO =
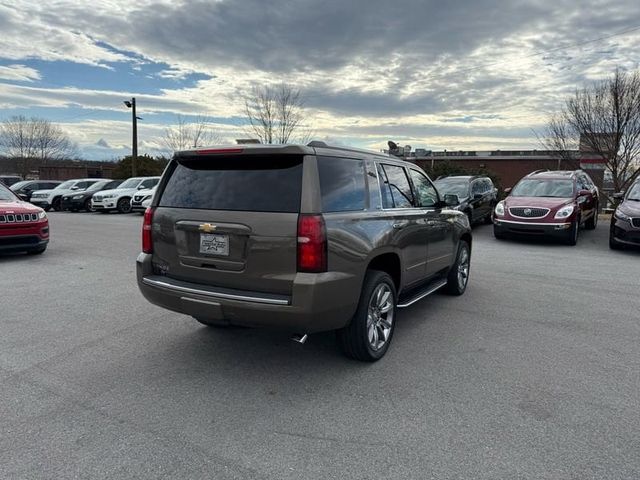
(137, 202)
(120, 198)
(51, 199)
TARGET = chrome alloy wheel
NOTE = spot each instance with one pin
(463, 268)
(380, 316)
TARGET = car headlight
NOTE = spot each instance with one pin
(42, 215)
(77, 197)
(500, 209)
(620, 215)
(564, 212)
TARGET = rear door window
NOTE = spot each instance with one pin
(258, 183)
(341, 184)
(398, 190)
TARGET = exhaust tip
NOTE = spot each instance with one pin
(300, 338)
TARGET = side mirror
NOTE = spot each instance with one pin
(75, 187)
(507, 191)
(141, 187)
(618, 195)
(451, 200)
(584, 193)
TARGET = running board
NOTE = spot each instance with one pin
(420, 294)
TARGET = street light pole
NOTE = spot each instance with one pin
(134, 148)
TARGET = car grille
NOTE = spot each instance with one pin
(18, 217)
(528, 212)
(635, 222)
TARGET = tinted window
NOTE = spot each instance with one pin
(397, 183)
(476, 188)
(112, 185)
(252, 183)
(341, 184)
(425, 191)
(385, 193)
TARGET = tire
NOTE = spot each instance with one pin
(124, 205)
(37, 251)
(55, 204)
(368, 335)
(499, 236)
(592, 223)
(47, 208)
(572, 235)
(458, 276)
(613, 243)
(87, 205)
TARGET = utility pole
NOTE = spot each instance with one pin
(134, 148)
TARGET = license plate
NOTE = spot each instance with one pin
(213, 244)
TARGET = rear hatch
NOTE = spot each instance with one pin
(230, 221)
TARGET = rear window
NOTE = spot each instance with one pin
(248, 183)
(341, 184)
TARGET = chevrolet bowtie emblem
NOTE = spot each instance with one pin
(206, 227)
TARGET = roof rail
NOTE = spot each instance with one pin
(538, 171)
(321, 144)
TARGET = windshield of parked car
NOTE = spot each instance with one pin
(66, 185)
(131, 183)
(543, 187)
(6, 195)
(19, 185)
(634, 193)
(453, 187)
(97, 186)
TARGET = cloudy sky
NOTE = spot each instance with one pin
(474, 74)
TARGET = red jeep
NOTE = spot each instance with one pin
(549, 203)
(23, 227)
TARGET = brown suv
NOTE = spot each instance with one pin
(303, 238)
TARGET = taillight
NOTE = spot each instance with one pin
(312, 244)
(147, 244)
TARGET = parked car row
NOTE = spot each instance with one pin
(88, 194)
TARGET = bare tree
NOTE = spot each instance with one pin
(603, 119)
(275, 114)
(29, 139)
(186, 134)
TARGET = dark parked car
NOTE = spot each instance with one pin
(477, 195)
(81, 200)
(8, 180)
(625, 221)
(23, 227)
(25, 188)
(549, 203)
(302, 238)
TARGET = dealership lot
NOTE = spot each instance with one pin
(533, 373)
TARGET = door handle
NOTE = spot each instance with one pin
(400, 225)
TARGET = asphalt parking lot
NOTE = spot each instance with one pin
(533, 374)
